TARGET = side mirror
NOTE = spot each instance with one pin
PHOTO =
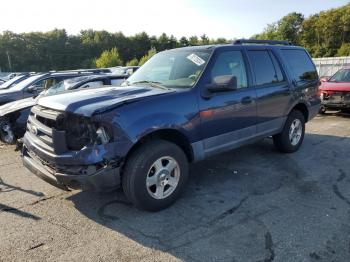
(222, 83)
(324, 78)
(33, 89)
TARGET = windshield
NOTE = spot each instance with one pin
(57, 88)
(177, 68)
(342, 75)
(11, 81)
(64, 85)
(23, 84)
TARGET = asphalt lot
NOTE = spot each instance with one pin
(252, 204)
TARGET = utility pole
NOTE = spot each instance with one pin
(9, 60)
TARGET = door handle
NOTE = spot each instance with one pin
(246, 100)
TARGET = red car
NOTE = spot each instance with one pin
(335, 91)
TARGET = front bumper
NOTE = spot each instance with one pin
(332, 105)
(336, 101)
(105, 178)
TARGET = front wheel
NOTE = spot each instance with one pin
(6, 133)
(323, 110)
(292, 135)
(155, 175)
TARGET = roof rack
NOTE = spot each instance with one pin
(82, 71)
(260, 42)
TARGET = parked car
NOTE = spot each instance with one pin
(126, 70)
(34, 84)
(14, 115)
(181, 106)
(335, 91)
(12, 75)
(14, 81)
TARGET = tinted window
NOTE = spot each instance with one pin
(231, 63)
(301, 64)
(278, 70)
(264, 68)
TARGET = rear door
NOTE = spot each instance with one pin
(272, 89)
(303, 74)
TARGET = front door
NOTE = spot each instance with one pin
(227, 118)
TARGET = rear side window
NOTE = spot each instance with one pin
(302, 67)
(266, 68)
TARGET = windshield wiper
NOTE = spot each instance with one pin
(151, 83)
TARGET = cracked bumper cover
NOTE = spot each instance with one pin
(331, 104)
(105, 177)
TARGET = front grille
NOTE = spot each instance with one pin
(340, 97)
(43, 125)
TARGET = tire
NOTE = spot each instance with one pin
(323, 110)
(6, 133)
(151, 162)
(282, 141)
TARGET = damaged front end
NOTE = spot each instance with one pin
(335, 99)
(13, 125)
(73, 151)
(6, 133)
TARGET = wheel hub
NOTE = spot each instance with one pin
(295, 132)
(163, 177)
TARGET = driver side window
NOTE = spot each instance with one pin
(45, 83)
(231, 63)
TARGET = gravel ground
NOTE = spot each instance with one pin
(252, 204)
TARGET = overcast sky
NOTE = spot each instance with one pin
(216, 18)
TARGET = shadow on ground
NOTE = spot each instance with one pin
(252, 204)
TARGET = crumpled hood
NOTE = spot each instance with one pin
(7, 91)
(90, 101)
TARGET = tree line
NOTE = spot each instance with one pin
(324, 34)
(56, 50)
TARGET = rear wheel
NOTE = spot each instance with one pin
(155, 175)
(292, 135)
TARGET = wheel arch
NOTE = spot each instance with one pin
(168, 134)
(303, 109)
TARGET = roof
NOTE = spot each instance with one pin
(243, 42)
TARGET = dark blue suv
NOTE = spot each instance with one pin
(183, 105)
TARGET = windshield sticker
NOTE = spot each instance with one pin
(196, 59)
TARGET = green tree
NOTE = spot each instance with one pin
(133, 62)
(344, 50)
(289, 27)
(193, 40)
(146, 57)
(108, 59)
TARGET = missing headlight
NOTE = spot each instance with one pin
(102, 135)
